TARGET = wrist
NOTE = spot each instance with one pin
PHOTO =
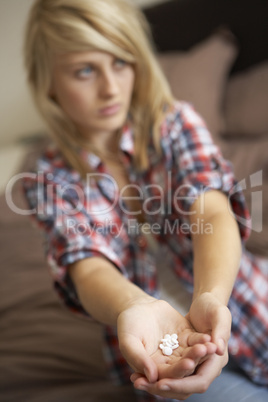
(216, 292)
(135, 300)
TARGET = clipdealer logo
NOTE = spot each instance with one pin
(255, 222)
(184, 192)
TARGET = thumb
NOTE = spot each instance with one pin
(135, 354)
(221, 328)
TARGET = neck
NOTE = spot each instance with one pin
(105, 144)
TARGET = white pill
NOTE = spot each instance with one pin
(167, 351)
(174, 336)
(164, 340)
(167, 336)
(161, 345)
(175, 346)
(168, 343)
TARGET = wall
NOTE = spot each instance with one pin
(18, 117)
(147, 2)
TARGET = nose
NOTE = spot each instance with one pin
(109, 85)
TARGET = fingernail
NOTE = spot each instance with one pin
(142, 387)
(147, 374)
(164, 388)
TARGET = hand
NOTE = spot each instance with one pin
(207, 314)
(182, 388)
(140, 330)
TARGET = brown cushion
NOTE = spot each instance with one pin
(46, 353)
(199, 76)
(249, 156)
(246, 102)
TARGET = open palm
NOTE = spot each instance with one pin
(140, 330)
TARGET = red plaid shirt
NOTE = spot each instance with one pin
(84, 218)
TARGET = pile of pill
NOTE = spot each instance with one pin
(169, 343)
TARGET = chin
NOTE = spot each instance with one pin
(115, 122)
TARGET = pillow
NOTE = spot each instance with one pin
(249, 157)
(199, 76)
(246, 102)
(46, 353)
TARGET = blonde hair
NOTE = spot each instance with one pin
(113, 26)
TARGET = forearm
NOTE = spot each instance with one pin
(217, 254)
(103, 291)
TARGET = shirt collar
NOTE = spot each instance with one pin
(127, 140)
(126, 145)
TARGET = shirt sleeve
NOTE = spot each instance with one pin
(69, 236)
(200, 167)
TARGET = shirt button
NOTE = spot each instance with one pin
(142, 242)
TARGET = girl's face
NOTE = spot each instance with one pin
(94, 89)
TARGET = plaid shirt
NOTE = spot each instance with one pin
(84, 218)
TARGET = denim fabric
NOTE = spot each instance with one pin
(232, 386)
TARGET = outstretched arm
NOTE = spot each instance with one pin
(216, 263)
(141, 321)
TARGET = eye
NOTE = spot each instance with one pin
(84, 72)
(120, 63)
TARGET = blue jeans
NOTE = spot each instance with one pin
(232, 386)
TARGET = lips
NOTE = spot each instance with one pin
(110, 110)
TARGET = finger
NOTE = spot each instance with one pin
(195, 338)
(135, 376)
(211, 349)
(197, 352)
(168, 388)
(183, 388)
(182, 368)
(164, 391)
(137, 357)
(213, 367)
(188, 361)
(221, 329)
